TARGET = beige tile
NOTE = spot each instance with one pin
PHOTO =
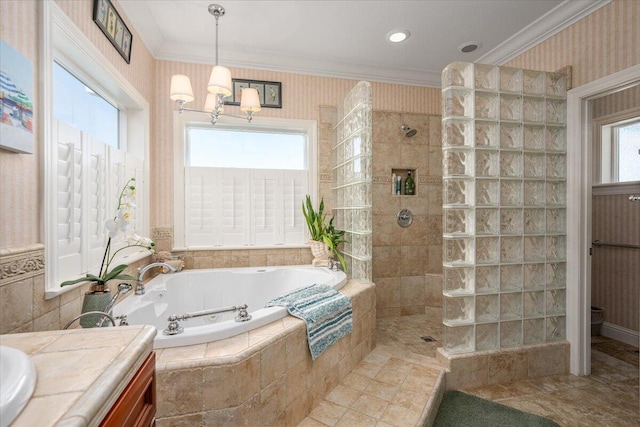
(412, 400)
(296, 347)
(180, 392)
(327, 412)
(370, 405)
(297, 410)
(548, 360)
(54, 406)
(381, 390)
(273, 399)
(390, 376)
(297, 380)
(400, 416)
(272, 364)
(343, 395)
(249, 413)
(16, 305)
(93, 338)
(228, 347)
(366, 369)
(42, 306)
(356, 381)
(245, 379)
(356, 419)
(181, 421)
(66, 377)
(310, 422)
(48, 322)
(507, 367)
(221, 417)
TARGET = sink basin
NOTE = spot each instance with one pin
(17, 382)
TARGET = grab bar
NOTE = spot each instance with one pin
(174, 328)
(598, 243)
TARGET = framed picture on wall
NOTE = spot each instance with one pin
(270, 93)
(113, 27)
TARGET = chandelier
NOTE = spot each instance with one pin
(219, 87)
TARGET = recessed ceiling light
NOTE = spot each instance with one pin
(397, 36)
(469, 47)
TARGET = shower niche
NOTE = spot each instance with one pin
(399, 185)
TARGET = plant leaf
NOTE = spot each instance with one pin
(115, 272)
(73, 282)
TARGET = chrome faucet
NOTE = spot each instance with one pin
(123, 288)
(143, 270)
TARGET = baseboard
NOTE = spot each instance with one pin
(619, 333)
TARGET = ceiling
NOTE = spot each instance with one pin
(347, 38)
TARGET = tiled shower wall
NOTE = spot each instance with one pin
(407, 262)
(504, 171)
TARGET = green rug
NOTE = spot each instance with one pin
(459, 409)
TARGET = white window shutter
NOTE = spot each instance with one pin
(98, 194)
(69, 200)
(294, 188)
(233, 208)
(200, 203)
(266, 203)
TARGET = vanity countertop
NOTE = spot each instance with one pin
(80, 372)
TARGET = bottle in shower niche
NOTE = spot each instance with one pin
(399, 185)
(409, 185)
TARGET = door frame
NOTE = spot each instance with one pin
(579, 180)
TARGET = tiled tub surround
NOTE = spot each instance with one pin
(262, 377)
(80, 373)
(22, 288)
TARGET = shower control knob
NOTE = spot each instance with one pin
(405, 218)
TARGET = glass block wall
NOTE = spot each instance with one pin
(352, 180)
(504, 200)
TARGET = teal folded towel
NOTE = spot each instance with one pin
(327, 313)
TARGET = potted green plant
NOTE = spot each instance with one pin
(99, 293)
(332, 238)
(324, 238)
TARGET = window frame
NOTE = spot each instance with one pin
(194, 119)
(603, 156)
(61, 41)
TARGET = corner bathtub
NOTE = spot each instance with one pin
(196, 290)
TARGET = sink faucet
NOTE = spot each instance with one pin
(143, 270)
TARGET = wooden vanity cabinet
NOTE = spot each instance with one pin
(136, 406)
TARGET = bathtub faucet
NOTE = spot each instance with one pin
(143, 270)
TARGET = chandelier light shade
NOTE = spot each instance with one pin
(219, 87)
(250, 101)
(220, 81)
(181, 88)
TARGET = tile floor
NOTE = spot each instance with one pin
(390, 387)
(372, 395)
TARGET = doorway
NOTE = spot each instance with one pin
(579, 198)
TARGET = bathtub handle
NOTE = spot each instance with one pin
(174, 327)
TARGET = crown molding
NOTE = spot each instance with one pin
(556, 20)
(301, 65)
(549, 24)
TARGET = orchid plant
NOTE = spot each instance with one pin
(119, 224)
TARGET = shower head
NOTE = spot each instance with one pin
(408, 132)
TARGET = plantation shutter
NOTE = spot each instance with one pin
(234, 205)
(295, 184)
(266, 202)
(98, 193)
(90, 175)
(69, 198)
(200, 203)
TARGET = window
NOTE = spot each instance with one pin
(242, 185)
(620, 152)
(78, 105)
(95, 135)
